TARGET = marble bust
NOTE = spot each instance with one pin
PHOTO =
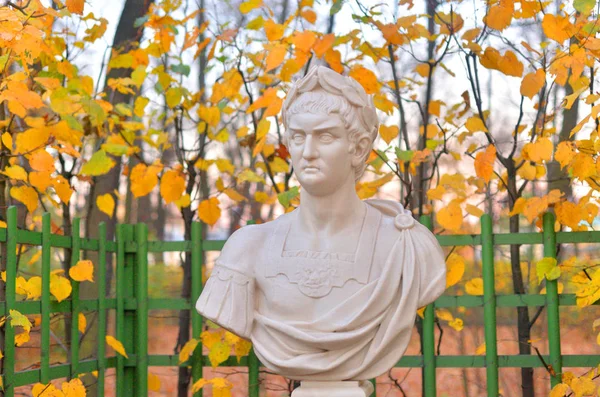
(327, 293)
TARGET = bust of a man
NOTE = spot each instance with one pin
(328, 292)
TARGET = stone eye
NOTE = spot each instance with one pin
(326, 137)
(298, 138)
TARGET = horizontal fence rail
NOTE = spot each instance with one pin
(132, 304)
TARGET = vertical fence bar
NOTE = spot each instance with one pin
(253, 364)
(101, 353)
(552, 303)
(129, 316)
(75, 252)
(141, 295)
(429, 373)
(9, 300)
(45, 326)
(197, 254)
(489, 305)
(120, 312)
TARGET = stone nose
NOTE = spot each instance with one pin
(310, 151)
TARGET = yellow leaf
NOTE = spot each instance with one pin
(15, 172)
(249, 5)
(153, 382)
(41, 390)
(444, 314)
(173, 96)
(274, 31)
(82, 271)
(276, 56)
(98, 164)
(221, 387)
(457, 324)
(532, 83)
(40, 180)
(106, 204)
(480, 350)
(547, 268)
(557, 27)
(209, 211)
(209, 338)
(583, 386)
(234, 195)
(172, 185)
(471, 209)
(450, 217)
(242, 348)
(22, 338)
(422, 69)
(144, 179)
(116, 345)
(475, 124)
(140, 105)
(81, 323)
(187, 350)
(474, 286)
(247, 175)
(219, 353)
(75, 6)
(304, 40)
(60, 287)
(484, 163)
(455, 268)
(27, 195)
(7, 141)
(19, 320)
(309, 15)
(559, 390)
(388, 133)
(199, 384)
(366, 78)
(583, 166)
(34, 287)
(210, 114)
(184, 201)
(62, 188)
(73, 388)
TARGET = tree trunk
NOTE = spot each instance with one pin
(523, 327)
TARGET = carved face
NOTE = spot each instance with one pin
(322, 154)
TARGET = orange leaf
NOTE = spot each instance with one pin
(450, 217)
(304, 40)
(532, 83)
(276, 56)
(500, 15)
(309, 15)
(334, 59)
(388, 133)
(209, 211)
(323, 44)
(391, 33)
(484, 163)
(172, 186)
(366, 78)
(557, 27)
(75, 6)
(273, 30)
(27, 195)
(41, 160)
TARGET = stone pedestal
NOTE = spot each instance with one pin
(333, 389)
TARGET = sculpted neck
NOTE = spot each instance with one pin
(325, 215)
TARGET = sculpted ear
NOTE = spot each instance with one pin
(363, 146)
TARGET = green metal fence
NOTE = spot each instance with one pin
(131, 306)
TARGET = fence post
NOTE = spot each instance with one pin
(489, 305)
(9, 300)
(45, 326)
(197, 254)
(429, 375)
(552, 303)
(141, 315)
(126, 320)
(101, 355)
(75, 253)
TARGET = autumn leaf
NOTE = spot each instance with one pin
(106, 204)
(500, 15)
(388, 133)
(42, 161)
(60, 287)
(475, 124)
(557, 27)
(98, 164)
(27, 195)
(219, 353)
(82, 271)
(209, 211)
(276, 56)
(249, 5)
(72, 388)
(484, 163)
(19, 320)
(116, 345)
(481, 350)
(273, 30)
(187, 350)
(532, 83)
(49, 390)
(474, 286)
(457, 324)
(172, 185)
(144, 178)
(34, 287)
(15, 172)
(81, 323)
(366, 78)
(323, 44)
(75, 6)
(547, 269)
(450, 217)
(455, 268)
(153, 382)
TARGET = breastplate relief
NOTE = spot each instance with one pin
(317, 273)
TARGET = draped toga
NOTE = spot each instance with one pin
(325, 315)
